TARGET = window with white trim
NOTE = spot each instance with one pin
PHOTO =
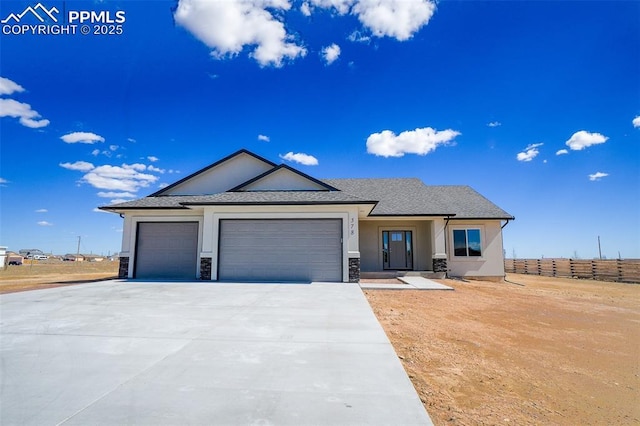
(467, 242)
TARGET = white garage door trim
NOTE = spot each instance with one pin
(280, 249)
(166, 250)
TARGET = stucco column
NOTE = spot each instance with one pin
(438, 237)
(438, 242)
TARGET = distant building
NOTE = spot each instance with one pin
(31, 253)
(93, 258)
(73, 258)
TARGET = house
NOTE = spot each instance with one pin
(93, 258)
(245, 218)
(73, 257)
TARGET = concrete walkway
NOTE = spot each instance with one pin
(410, 283)
(191, 353)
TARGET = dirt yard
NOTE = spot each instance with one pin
(531, 351)
(53, 273)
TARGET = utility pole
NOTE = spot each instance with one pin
(599, 250)
(78, 250)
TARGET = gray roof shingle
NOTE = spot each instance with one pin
(392, 197)
(248, 198)
(411, 197)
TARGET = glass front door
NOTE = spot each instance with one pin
(397, 249)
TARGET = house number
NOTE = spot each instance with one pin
(353, 226)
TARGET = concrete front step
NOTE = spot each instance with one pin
(396, 274)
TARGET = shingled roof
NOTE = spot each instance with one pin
(391, 197)
(411, 197)
(241, 198)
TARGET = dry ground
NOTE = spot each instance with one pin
(542, 351)
(534, 350)
(53, 273)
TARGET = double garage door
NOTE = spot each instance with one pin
(249, 250)
(280, 250)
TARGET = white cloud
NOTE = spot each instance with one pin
(583, 139)
(137, 166)
(113, 147)
(163, 185)
(529, 153)
(152, 158)
(44, 223)
(155, 169)
(126, 178)
(116, 194)
(132, 140)
(118, 201)
(562, 152)
(8, 87)
(331, 53)
(81, 166)
(41, 211)
(82, 137)
(636, 121)
(95, 152)
(358, 37)
(28, 117)
(264, 138)
(399, 19)
(419, 141)
(305, 159)
(3, 182)
(494, 124)
(227, 27)
(305, 9)
(597, 176)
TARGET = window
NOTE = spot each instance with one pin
(466, 242)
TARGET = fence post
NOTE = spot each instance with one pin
(619, 270)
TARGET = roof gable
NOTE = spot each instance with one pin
(283, 178)
(220, 176)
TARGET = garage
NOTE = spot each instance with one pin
(280, 250)
(166, 250)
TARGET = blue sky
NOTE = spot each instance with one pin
(534, 104)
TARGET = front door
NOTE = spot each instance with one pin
(397, 249)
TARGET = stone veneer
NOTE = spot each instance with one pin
(354, 269)
(439, 265)
(205, 268)
(123, 270)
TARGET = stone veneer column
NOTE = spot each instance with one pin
(439, 265)
(123, 270)
(354, 269)
(205, 268)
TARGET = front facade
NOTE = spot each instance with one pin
(247, 219)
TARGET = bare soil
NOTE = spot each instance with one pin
(533, 350)
(53, 273)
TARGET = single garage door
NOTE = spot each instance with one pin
(280, 250)
(167, 250)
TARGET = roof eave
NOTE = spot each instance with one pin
(278, 203)
(485, 218)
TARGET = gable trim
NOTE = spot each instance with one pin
(285, 167)
(211, 166)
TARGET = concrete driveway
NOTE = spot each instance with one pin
(120, 352)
